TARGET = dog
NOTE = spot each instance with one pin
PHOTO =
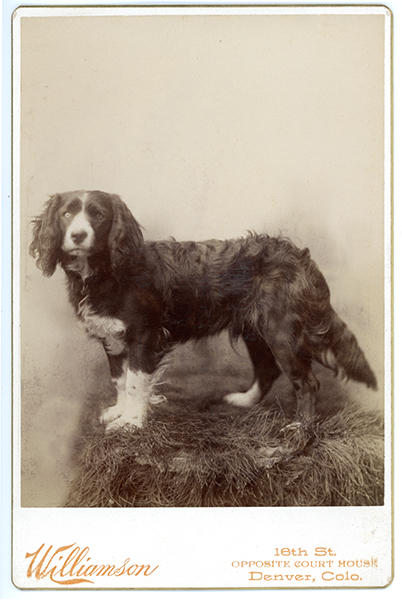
(141, 298)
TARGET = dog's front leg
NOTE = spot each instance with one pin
(118, 364)
(134, 391)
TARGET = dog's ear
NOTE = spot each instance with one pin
(125, 233)
(45, 246)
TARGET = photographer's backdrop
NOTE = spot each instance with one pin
(207, 127)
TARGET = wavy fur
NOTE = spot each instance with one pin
(162, 293)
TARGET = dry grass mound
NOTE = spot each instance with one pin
(224, 456)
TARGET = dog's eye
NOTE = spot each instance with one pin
(99, 216)
(68, 215)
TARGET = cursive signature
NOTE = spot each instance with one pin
(68, 565)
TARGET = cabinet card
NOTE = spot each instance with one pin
(197, 414)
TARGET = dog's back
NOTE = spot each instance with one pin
(151, 295)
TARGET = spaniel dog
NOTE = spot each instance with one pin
(141, 298)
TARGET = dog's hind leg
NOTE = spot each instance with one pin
(304, 382)
(266, 371)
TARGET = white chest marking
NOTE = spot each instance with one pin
(109, 330)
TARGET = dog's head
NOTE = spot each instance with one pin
(77, 225)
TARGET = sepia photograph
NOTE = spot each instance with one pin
(201, 274)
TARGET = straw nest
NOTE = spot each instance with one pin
(225, 456)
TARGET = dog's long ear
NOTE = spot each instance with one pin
(125, 233)
(46, 241)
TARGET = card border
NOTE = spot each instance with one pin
(389, 251)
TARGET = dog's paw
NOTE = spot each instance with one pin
(239, 399)
(131, 420)
(248, 398)
(110, 414)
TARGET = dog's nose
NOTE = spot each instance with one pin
(79, 236)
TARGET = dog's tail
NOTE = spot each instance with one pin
(347, 356)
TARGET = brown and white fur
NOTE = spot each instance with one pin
(142, 298)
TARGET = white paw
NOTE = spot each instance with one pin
(111, 414)
(126, 419)
(245, 398)
(238, 399)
